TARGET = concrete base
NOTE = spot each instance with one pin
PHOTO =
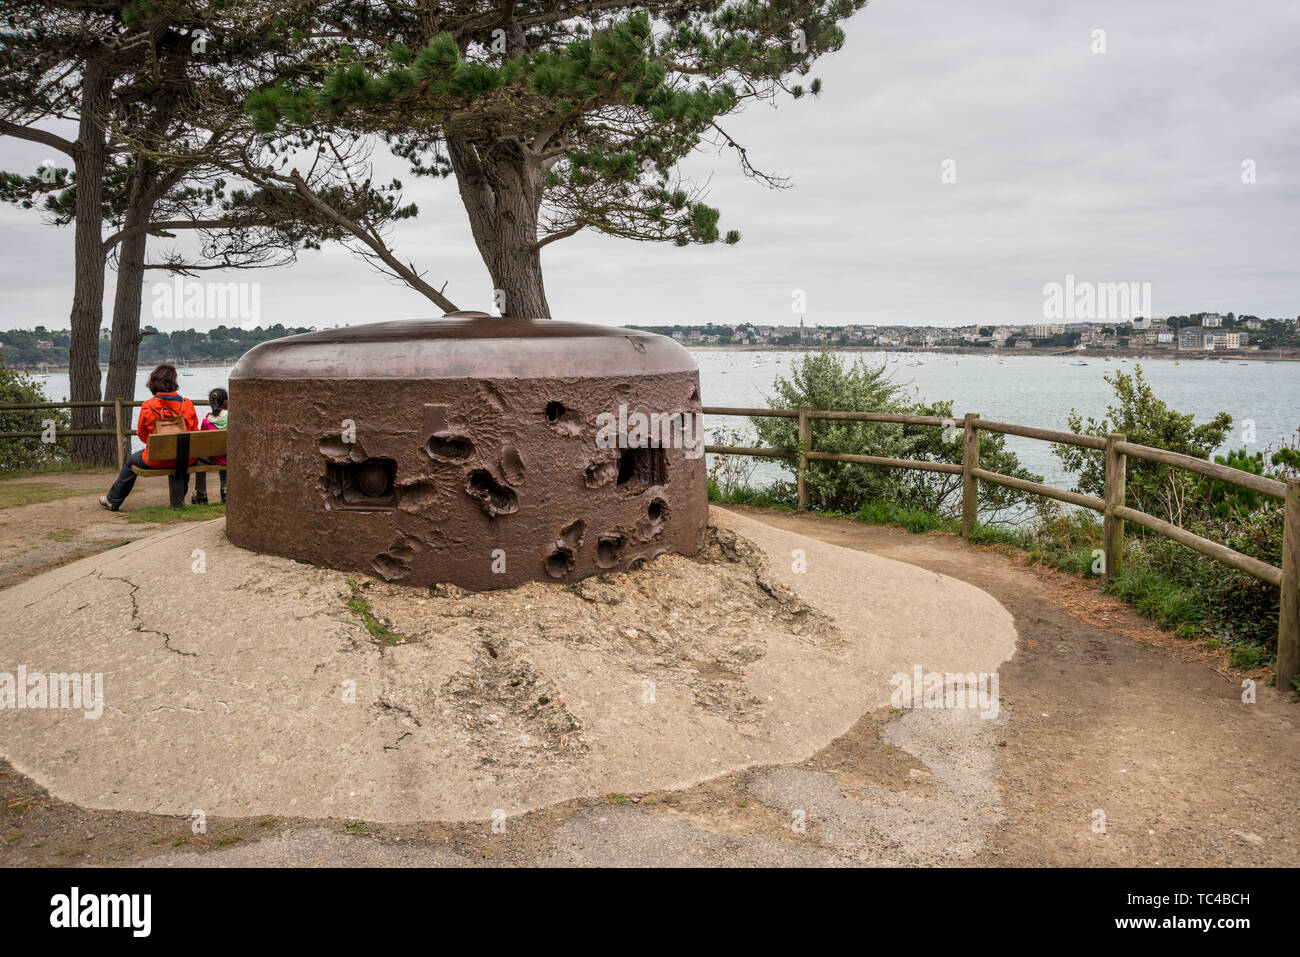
(252, 688)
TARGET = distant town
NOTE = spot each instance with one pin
(1245, 336)
(1200, 332)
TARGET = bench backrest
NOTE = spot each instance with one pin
(203, 444)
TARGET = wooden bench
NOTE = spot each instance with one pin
(181, 447)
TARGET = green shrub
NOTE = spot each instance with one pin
(1224, 500)
(1166, 580)
(29, 454)
(823, 381)
(1237, 607)
(1144, 420)
(1249, 655)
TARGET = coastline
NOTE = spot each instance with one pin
(1261, 356)
(1189, 356)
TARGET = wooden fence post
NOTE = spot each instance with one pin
(117, 432)
(1288, 620)
(805, 446)
(1116, 489)
(970, 489)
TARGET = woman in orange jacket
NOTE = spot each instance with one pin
(166, 403)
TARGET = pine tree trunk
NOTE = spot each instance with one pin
(501, 188)
(88, 268)
(124, 353)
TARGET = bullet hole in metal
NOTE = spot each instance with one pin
(388, 568)
(609, 549)
(626, 466)
(563, 420)
(560, 562)
(394, 564)
(657, 511)
(454, 448)
(493, 498)
(512, 465)
(600, 473)
(571, 535)
(641, 468)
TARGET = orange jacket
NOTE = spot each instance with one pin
(149, 414)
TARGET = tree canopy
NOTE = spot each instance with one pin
(557, 117)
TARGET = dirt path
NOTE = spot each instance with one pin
(1101, 712)
(1184, 772)
(69, 524)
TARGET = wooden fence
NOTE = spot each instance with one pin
(121, 421)
(1115, 512)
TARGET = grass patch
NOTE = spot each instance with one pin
(983, 534)
(885, 513)
(356, 827)
(14, 494)
(61, 534)
(226, 839)
(360, 606)
(162, 514)
(1157, 597)
(874, 513)
(61, 468)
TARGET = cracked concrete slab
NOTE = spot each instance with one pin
(250, 688)
(875, 825)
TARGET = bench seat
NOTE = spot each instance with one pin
(147, 472)
(205, 443)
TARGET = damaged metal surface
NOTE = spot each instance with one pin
(463, 450)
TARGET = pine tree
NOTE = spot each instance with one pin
(158, 90)
(557, 116)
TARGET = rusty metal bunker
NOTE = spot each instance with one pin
(467, 449)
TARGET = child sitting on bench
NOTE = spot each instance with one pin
(219, 399)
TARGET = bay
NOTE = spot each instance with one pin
(1029, 390)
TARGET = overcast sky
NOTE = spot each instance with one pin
(1123, 166)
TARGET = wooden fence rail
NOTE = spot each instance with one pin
(121, 421)
(1115, 512)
